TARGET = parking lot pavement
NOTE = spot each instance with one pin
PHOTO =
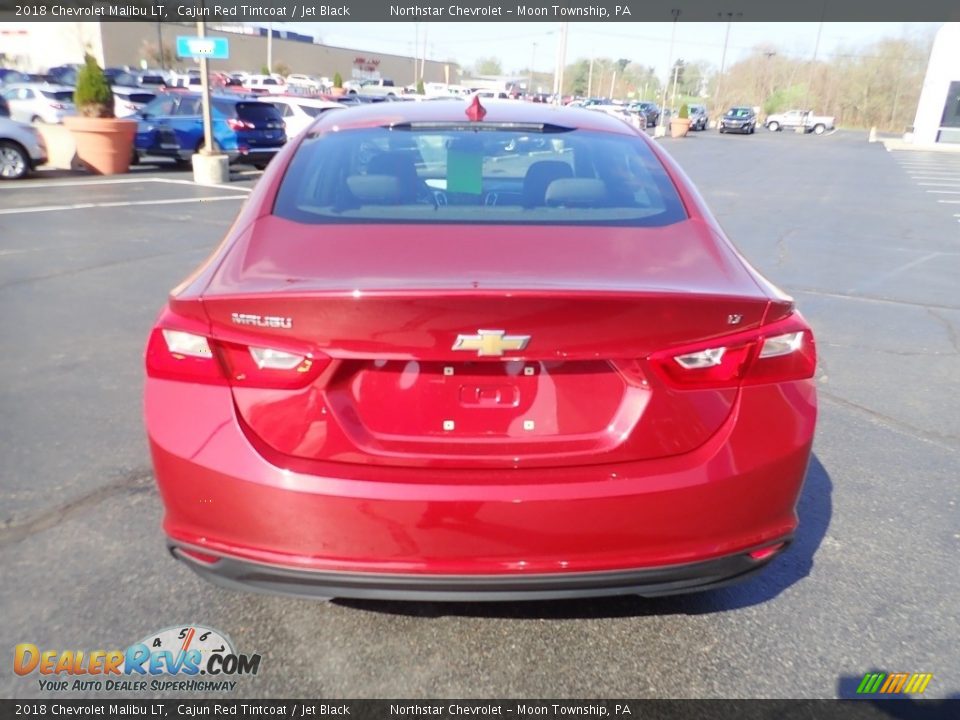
(870, 582)
(937, 173)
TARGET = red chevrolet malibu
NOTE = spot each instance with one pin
(452, 352)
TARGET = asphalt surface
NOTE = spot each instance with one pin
(873, 258)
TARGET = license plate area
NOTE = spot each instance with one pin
(479, 407)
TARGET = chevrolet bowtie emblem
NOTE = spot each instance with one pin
(491, 342)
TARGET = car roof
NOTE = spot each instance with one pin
(227, 97)
(52, 87)
(498, 111)
(300, 100)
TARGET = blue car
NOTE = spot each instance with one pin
(244, 128)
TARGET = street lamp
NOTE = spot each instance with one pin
(723, 58)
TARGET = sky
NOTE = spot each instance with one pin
(518, 45)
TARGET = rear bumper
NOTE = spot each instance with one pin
(237, 574)
(673, 524)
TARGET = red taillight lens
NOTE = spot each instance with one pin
(179, 355)
(778, 352)
(238, 124)
(176, 351)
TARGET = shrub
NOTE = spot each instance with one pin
(93, 96)
(420, 89)
(337, 80)
(684, 112)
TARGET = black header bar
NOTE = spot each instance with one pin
(172, 708)
(481, 10)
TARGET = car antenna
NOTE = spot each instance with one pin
(476, 111)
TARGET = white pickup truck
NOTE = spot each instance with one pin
(791, 119)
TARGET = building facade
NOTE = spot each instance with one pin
(36, 47)
(938, 112)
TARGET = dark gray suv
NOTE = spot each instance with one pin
(698, 117)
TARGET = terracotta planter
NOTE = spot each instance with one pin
(338, 91)
(679, 127)
(104, 145)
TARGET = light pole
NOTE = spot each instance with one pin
(663, 96)
(723, 58)
(269, 48)
(533, 61)
(163, 64)
(590, 77)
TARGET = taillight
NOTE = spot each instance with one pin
(177, 351)
(238, 124)
(778, 352)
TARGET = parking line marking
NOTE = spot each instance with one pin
(946, 184)
(114, 181)
(883, 277)
(949, 202)
(945, 192)
(127, 203)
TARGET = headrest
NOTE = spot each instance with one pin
(576, 191)
(375, 189)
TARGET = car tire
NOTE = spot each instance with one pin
(36, 119)
(721, 130)
(773, 127)
(14, 161)
(134, 157)
(819, 129)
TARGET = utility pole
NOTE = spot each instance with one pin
(813, 65)
(163, 63)
(561, 62)
(269, 48)
(663, 96)
(423, 56)
(590, 78)
(416, 44)
(533, 61)
(676, 72)
(723, 58)
(208, 148)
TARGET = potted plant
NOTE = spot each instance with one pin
(338, 90)
(420, 88)
(680, 125)
(104, 143)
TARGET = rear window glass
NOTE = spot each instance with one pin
(489, 175)
(315, 111)
(258, 112)
(59, 95)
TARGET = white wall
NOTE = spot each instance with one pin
(35, 47)
(943, 69)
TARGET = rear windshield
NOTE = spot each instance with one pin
(314, 111)
(258, 112)
(59, 95)
(494, 175)
(739, 112)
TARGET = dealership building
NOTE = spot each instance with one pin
(938, 112)
(35, 47)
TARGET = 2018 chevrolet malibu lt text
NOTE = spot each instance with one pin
(454, 352)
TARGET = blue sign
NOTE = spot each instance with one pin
(212, 48)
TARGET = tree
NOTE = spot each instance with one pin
(578, 74)
(488, 66)
(93, 96)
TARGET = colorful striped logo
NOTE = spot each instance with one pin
(894, 683)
